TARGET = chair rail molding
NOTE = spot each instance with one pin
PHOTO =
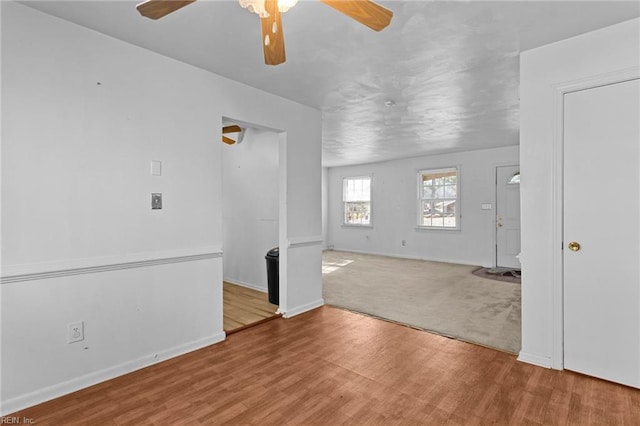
(37, 271)
(305, 241)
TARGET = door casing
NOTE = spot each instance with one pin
(557, 231)
(593, 310)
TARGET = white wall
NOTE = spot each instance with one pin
(249, 207)
(606, 55)
(325, 208)
(83, 115)
(394, 215)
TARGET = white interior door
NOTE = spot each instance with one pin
(507, 216)
(602, 215)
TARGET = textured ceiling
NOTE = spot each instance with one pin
(450, 68)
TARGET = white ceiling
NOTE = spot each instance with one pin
(450, 67)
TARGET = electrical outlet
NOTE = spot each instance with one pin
(75, 332)
(404, 243)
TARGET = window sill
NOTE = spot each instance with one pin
(347, 225)
(433, 228)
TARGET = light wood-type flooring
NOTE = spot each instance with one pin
(332, 367)
(244, 307)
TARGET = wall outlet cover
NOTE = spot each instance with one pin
(75, 332)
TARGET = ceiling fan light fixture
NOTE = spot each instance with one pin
(257, 6)
(285, 5)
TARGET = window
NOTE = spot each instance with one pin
(356, 195)
(514, 180)
(438, 205)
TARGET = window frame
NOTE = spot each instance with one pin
(421, 199)
(344, 203)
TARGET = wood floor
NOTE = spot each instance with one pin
(244, 307)
(331, 367)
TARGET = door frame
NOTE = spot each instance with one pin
(283, 242)
(557, 229)
(495, 209)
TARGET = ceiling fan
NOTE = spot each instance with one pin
(233, 128)
(366, 12)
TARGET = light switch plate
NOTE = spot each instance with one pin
(156, 201)
(156, 168)
(486, 206)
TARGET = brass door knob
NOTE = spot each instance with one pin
(573, 246)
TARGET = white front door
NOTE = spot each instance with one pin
(507, 216)
(602, 232)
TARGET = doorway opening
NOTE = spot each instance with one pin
(250, 223)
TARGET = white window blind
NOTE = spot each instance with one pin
(357, 189)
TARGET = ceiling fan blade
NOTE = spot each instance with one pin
(272, 35)
(231, 129)
(227, 140)
(156, 9)
(366, 12)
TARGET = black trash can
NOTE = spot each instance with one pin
(273, 275)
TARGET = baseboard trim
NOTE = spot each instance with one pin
(303, 308)
(73, 385)
(246, 285)
(40, 271)
(539, 360)
(412, 257)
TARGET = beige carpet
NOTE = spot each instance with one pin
(442, 297)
